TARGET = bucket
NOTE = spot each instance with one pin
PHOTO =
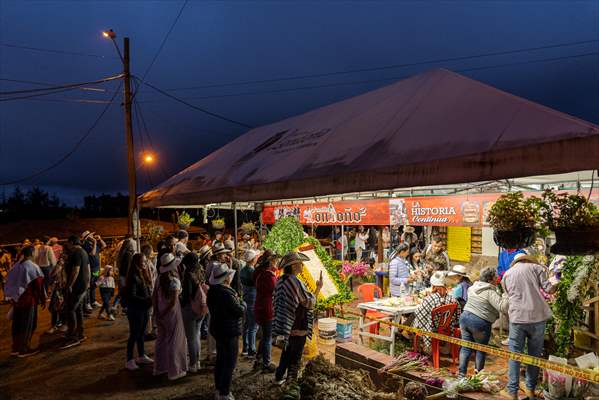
(344, 330)
(327, 331)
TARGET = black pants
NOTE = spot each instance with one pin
(138, 320)
(227, 350)
(291, 358)
(74, 314)
(23, 325)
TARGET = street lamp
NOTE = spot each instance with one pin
(133, 213)
(149, 158)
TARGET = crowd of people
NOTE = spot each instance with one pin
(170, 296)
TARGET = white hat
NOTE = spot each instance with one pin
(438, 279)
(85, 234)
(168, 262)
(250, 255)
(220, 272)
(525, 258)
(458, 270)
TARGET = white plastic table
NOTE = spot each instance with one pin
(394, 314)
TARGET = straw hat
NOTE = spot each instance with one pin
(250, 255)
(204, 252)
(85, 235)
(292, 258)
(438, 279)
(524, 258)
(409, 229)
(219, 248)
(220, 272)
(168, 262)
(458, 270)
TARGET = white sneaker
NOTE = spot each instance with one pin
(131, 365)
(111, 317)
(144, 360)
(505, 342)
(88, 307)
(279, 382)
(96, 304)
(51, 331)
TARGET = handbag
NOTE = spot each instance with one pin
(198, 303)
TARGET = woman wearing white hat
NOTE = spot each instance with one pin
(226, 314)
(171, 350)
(439, 297)
(460, 291)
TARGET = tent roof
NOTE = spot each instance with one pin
(434, 128)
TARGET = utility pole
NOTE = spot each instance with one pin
(133, 217)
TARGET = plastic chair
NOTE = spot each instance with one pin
(366, 293)
(445, 315)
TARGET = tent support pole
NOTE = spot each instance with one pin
(342, 243)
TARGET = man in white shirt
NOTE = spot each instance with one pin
(360, 244)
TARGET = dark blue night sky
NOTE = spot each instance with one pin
(223, 42)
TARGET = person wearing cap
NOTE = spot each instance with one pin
(181, 248)
(482, 309)
(226, 311)
(249, 296)
(528, 314)
(171, 348)
(265, 279)
(294, 315)
(460, 291)
(423, 317)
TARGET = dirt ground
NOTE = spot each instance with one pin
(95, 370)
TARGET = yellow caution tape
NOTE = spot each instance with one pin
(579, 373)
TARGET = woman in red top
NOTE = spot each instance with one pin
(264, 279)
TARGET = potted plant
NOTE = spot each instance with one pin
(184, 220)
(515, 220)
(575, 222)
(218, 223)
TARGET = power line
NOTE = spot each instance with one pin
(392, 66)
(138, 110)
(56, 51)
(164, 41)
(337, 84)
(70, 152)
(64, 86)
(196, 107)
(29, 96)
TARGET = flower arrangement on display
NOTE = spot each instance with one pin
(575, 221)
(184, 220)
(248, 227)
(288, 235)
(578, 276)
(357, 270)
(515, 220)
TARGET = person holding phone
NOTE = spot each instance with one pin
(294, 315)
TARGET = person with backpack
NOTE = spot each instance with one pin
(193, 307)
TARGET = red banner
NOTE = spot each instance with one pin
(458, 210)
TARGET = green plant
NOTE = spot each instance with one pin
(286, 235)
(185, 219)
(512, 211)
(569, 211)
(577, 276)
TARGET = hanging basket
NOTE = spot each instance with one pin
(576, 242)
(183, 226)
(517, 239)
(218, 223)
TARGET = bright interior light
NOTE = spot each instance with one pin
(149, 158)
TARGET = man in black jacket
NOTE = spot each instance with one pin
(226, 314)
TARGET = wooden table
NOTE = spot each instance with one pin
(394, 314)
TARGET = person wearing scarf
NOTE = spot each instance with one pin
(294, 315)
(25, 290)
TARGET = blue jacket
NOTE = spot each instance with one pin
(399, 272)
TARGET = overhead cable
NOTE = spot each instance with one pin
(64, 86)
(70, 152)
(56, 51)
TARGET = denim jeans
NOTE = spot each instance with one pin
(106, 294)
(265, 347)
(532, 336)
(249, 325)
(226, 360)
(291, 358)
(474, 329)
(74, 314)
(138, 319)
(192, 326)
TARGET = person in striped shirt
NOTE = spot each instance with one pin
(294, 315)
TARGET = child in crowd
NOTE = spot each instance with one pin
(106, 284)
(56, 307)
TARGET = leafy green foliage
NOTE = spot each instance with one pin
(332, 266)
(512, 211)
(285, 236)
(567, 313)
(569, 211)
(185, 219)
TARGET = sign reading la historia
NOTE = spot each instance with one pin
(458, 210)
